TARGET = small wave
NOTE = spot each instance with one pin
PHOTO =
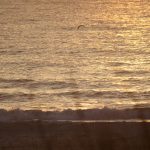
(5, 52)
(137, 81)
(105, 94)
(16, 80)
(29, 83)
(127, 72)
(18, 97)
(76, 115)
(115, 64)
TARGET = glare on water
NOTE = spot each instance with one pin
(48, 63)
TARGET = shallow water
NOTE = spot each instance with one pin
(48, 62)
(87, 121)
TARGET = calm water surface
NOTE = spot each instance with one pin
(49, 62)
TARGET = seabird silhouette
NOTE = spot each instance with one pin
(80, 27)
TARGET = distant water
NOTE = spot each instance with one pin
(49, 61)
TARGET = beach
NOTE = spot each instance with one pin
(40, 135)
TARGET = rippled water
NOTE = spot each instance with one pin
(48, 61)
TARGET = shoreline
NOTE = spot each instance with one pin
(82, 121)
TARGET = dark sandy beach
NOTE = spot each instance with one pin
(74, 136)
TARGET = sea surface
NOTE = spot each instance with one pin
(74, 54)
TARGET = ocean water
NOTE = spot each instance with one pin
(74, 54)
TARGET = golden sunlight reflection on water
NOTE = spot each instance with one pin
(47, 63)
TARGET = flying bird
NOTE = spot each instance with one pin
(80, 27)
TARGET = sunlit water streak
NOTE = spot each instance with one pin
(90, 121)
(48, 63)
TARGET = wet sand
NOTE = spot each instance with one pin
(74, 136)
